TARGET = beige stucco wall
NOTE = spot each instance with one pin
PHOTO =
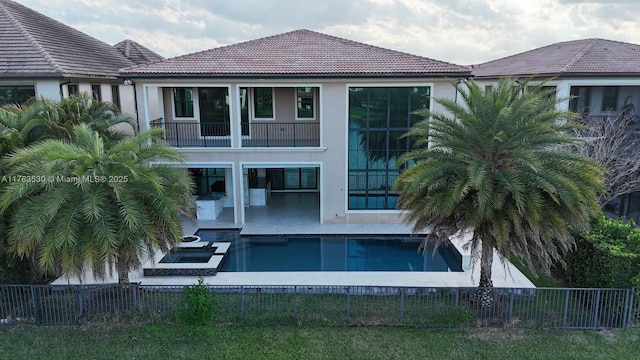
(330, 157)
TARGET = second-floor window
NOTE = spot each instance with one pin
(305, 103)
(263, 103)
(183, 102)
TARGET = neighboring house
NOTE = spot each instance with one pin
(42, 57)
(598, 78)
(300, 111)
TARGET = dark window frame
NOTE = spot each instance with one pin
(96, 92)
(610, 98)
(13, 94)
(115, 96)
(183, 106)
(378, 116)
(73, 89)
(263, 103)
(305, 103)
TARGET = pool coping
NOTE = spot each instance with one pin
(504, 275)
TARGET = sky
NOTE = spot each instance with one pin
(463, 32)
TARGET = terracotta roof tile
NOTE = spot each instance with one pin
(137, 53)
(32, 44)
(571, 58)
(298, 53)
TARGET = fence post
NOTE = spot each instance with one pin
(79, 299)
(242, 302)
(134, 295)
(348, 303)
(629, 309)
(457, 298)
(34, 304)
(510, 306)
(596, 306)
(402, 305)
(295, 300)
(566, 309)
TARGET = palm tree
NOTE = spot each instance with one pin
(77, 204)
(39, 119)
(497, 168)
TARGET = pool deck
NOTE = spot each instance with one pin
(297, 214)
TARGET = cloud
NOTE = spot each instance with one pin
(458, 31)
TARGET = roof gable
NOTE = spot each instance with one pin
(571, 58)
(137, 53)
(298, 53)
(32, 44)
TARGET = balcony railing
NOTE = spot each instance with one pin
(268, 134)
(271, 134)
(195, 134)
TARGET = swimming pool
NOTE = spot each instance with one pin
(331, 253)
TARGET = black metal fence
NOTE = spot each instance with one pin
(334, 305)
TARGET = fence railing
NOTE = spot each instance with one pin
(337, 305)
(260, 134)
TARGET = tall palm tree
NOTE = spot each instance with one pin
(497, 168)
(81, 203)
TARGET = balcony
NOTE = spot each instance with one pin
(269, 134)
(218, 135)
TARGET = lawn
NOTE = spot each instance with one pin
(302, 342)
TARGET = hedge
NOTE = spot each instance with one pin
(608, 256)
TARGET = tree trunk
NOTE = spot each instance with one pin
(123, 273)
(484, 295)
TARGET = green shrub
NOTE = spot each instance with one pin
(201, 306)
(607, 256)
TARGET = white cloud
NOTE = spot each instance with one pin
(458, 31)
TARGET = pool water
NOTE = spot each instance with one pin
(333, 253)
(184, 256)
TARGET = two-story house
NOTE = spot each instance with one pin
(597, 78)
(297, 113)
(41, 57)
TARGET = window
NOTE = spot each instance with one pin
(96, 93)
(263, 103)
(16, 94)
(214, 111)
(378, 119)
(244, 111)
(609, 98)
(115, 95)
(305, 103)
(183, 102)
(208, 180)
(580, 101)
(73, 89)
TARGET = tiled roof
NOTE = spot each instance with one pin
(137, 53)
(299, 53)
(571, 58)
(34, 45)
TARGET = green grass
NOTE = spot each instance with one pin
(540, 280)
(300, 342)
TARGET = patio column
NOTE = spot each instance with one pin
(238, 192)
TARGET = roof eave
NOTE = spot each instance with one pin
(297, 76)
(556, 75)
